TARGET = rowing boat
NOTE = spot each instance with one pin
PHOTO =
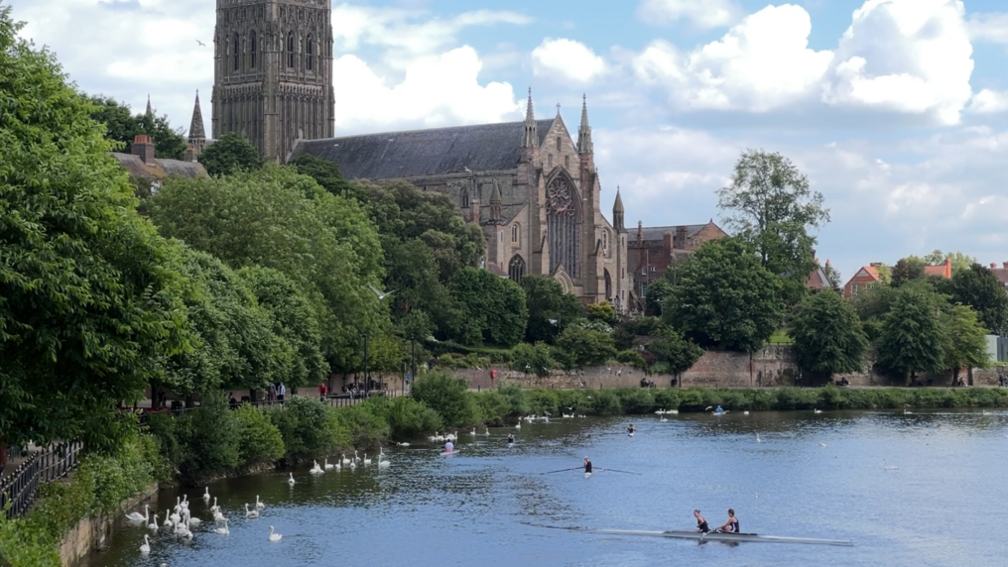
(722, 536)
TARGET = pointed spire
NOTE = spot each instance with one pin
(585, 145)
(150, 111)
(197, 130)
(531, 137)
(495, 195)
(495, 204)
(617, 211)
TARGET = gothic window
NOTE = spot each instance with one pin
(608, 286)
(464, 199)
(235, 49)
(516, 269)
(605, 241)
(253, 46)
(290, 50)
(549, 160)
(515, 232)
(567, 162)
(563, 225)
(558, 143)
(309, 54)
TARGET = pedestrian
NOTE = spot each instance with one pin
(282, 393)
(493, 376)
(322, 391)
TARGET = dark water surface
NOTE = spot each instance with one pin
(483, 506)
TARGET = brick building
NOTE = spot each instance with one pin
(866, 277)
(1001, 273)
(654, 249)
(943, 270)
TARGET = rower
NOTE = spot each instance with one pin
(448, 447)
(587, 466)
(732, 525)
(631, 430)
(510, 438)
(701, 523)
(719, 410)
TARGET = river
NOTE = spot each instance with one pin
(484, 505)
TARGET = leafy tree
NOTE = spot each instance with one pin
(770, 205)
(579, 347)
(874, 303)
(550, 309)
(447, 395)
(490, 308)
(325, 173)
(412, 273)
(417, 326)
(834, 277)
(675, 351)
(960, 261)
(532, 359)
(657, 292)
(828, 336)
(213, 444)
(979, 288)
(912, 337)
(965, 342)
(90, 298)
(259, 441)
(122, 127)
(229, 155)
(603, 311)
(907, 269)
(725, 298)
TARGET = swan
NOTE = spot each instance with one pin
(145, 548)
(367, 461)
(907, 412)
(518, 426)
(353, 465)
(473, 432)
(758, 440)
(663, 419)
(137, 517)
(175, 517)
(215, 507)
(745, 412)
(274, 536)
(218, 517)
(673, 411)
(816, 410)
(888, 467)
(195, 522)
(356, 459)
(403, 444)
(381, 463)
(659, 412)
(185, 501)
(183, 532)
(821, 444)
(224, 530)
(486, 431)
(251, 514)
(167, 521)
(152, 526)
(259, 504)
(328, 467)
(291, 480)
(346, 461)
(206, 495)
(316, 470)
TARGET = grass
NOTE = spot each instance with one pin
(781, 337)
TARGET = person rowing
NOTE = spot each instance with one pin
(701, 523)
(587, 466)
(631, 430)
(449, 447)
(732, 525)
(510, 438)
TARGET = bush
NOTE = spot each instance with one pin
(359, 427)
(259, 441)
(406, 418)
(305, 426)
(172, 437)
(632, 358)
(636, 400)
(213, 442)
(446, 395)
(494, 407)
(544, 402)
(605, 402)
(518, 404)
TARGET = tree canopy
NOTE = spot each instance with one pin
(550, 309)
(979, 288)
(90, 297)
(673, 353)
(912, 337)
(827, 334)
(965, 343)
(488, 308)
(230, 154)
(725, 298)
(122, 127)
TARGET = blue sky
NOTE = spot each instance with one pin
(895, 109)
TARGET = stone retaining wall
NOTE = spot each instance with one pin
(93, 533)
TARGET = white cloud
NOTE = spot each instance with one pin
(988, 101)
(909, 56)
(569, 59)
(989, 27)
(436, 91)
(704, 14)
(761, 64)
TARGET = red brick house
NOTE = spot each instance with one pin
(943, 270)
(866, 277)
(1001, 273)
(656, 248)
(818, 280)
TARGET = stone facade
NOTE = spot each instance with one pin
(273, 80)
(656, 248)
(531, 186)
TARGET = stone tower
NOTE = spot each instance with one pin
(273, 79)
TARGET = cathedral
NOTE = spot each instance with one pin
(529, 185)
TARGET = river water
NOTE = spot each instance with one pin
(486, 505)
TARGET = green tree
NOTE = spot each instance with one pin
(412, 273)
(965, 341)
(213, 444)
(906, 270)
(828, 336)
(550, 308)
(874, 303)
(725, 298)
(979, 288)
(90, 298)
(122, 127)
(325, 173)
(770, 205)
(580, 347)
(447, 395)
(834, 277)
(489, 308)
(532, 359)
(960, 261)
(674, 351)
(912, 339)
(657, 292)
(602, 311)
(229, 155)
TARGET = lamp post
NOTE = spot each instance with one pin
(365, 366)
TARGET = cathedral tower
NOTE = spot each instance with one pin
(273, 73)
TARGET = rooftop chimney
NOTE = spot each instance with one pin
(144, 148)
(994, 265)
(1005, 265)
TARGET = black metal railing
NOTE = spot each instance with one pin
(20, 488)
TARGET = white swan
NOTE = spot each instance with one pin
(183, 532)
(663, 419)
(518, 426)
(137, 517)
(167, 521)
(206, 495)
(486, 430)
(145, 547)
(816, 410)
(473, 432)
(353, 465)
(195, 522)
(403, 444)
(251, 514)
(888, 467)
(291, 480)
(152, 526)
(316, 470)
(758, 440)
(673, 411)
(215, 507)
(218, 517)
(382, 464)
(356, 459)
(274, 536)
(658, 412)
(259, 504)
(224, 530)
(367, 461)
(346, 461)
(745, 412)
(176, 517)
(821, 444)
(328, 467)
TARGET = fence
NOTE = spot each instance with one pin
(21, 487)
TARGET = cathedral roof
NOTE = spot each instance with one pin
(439, 151)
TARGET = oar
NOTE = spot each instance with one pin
(624, 472)
(564, 470)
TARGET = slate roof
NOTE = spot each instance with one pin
(161, 169)
(392, 155)
(659, 232)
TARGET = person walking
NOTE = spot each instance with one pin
(322, 391)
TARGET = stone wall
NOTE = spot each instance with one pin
(93, 533)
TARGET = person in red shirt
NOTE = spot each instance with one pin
(322, 391)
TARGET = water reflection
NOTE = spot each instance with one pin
(812, 475)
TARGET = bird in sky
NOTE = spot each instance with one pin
(201, 43)
(381, 294)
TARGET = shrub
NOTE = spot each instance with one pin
(665, 398)
(605, 402)
(259, 441)
(631, 357)
(636, 400)
(544, 402)
(518, 404)
(305, 426)
(406, 418)
(213, 442)
(360, 427)
(574, 401)
(171, 434)
(446, 395)
(494, 407)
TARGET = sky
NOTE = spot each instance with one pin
(896, 110)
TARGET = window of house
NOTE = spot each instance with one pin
(290, 50)
(237, 55)
(252, 50)
(309, 54)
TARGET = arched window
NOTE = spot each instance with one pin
(549, 160)
(515, 233)
(567, 162)
(605, 240)
(253, 47)
(236, 50)
(608, 286)
(558, 143)
(290, 50)
(563, 225)
(464, 199)
(516, 269)
(309, 53)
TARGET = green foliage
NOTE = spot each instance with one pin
(725, 298)
(493, 406)
(874, 303)
(406, 417)
(675, 351)
(446, 395)
(603, 311)
(906, 270)
(360, 426)
(578, 347)
(771, 206)
(912, 339)
(636, 400)
(657, 292)
(305, 426)
(90, 295)
(828, 336)
(259, 441)
(550, 309)
(517, 399)
(965, 344)
(122, 127)
(213, 442)
(978, 287)
(604, 402)
(172, 437)
(631, 357)
(489, 308)
(959, 260)
(326, 173)
(229, 155)
(532, 359)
